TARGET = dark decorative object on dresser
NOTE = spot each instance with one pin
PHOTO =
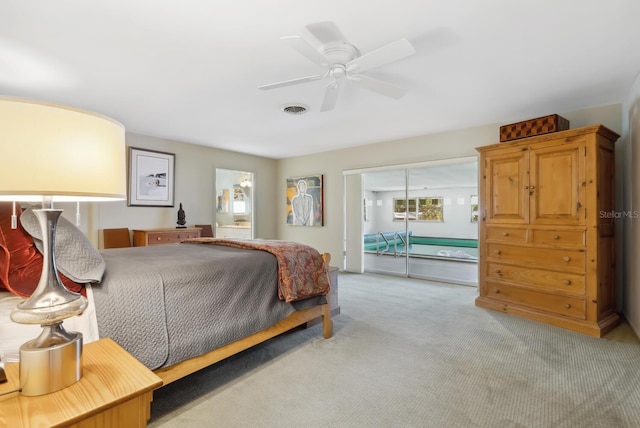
(182, 218)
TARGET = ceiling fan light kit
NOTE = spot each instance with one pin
(343, 63)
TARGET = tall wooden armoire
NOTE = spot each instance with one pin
(547, 229)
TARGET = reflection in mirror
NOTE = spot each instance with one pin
(234, 204)
(474, 208)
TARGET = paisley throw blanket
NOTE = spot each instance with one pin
(301, 269)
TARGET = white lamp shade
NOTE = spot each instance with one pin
(57, 151)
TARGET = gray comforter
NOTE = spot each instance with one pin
(167, 303)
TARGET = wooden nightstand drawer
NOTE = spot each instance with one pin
(552, 281)
(507, 234)
(547, 258)
(558, 238)
(558, 304)
(143, 238)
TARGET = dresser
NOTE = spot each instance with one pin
(144, 237)
(115, 391)
(546, 235)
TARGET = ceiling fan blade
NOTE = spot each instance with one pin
(384, 55)
(293, 81)
(375, 85)
(330, 96)
(326, 32)
(304, 48)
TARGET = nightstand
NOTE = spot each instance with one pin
(115, 391)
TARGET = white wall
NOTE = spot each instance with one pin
(448, 145)
(195, 170)
(332, 164)
(628, 193)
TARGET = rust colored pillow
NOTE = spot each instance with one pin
(6, 242)
(22, 272)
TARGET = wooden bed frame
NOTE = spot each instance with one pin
(192, 365)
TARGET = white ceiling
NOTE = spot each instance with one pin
(189, 69)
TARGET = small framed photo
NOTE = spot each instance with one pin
(151, 178)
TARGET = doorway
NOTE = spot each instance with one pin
(234, 204)
(420, 220)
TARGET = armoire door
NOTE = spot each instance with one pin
(557, 184)
(506, 187)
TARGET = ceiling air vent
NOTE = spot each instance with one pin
(294, 109)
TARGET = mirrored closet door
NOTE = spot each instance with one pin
(421, 220)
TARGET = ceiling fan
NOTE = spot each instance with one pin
(343, 63)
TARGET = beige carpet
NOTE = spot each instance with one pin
(408, 353)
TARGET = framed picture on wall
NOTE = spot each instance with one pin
(151, 178)
(305, 201)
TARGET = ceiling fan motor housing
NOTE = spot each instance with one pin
(340, 53)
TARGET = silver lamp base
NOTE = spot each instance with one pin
(50, 362)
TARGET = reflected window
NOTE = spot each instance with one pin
(419, 209)
(239, 205)
(474, 208)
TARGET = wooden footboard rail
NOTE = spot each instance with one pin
(192, 365)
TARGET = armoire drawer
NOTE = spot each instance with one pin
(507, 234)
(573, 260)
(552, 281)
(558, 304)
(569, 238)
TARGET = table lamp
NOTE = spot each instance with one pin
(54, 153)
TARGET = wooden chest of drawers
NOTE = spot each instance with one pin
(142, 238)
(546, 250)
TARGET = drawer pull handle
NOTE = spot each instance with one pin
(498, 252)
(567, 305)
(497, 291)
(505, 233)
(159, 238)
(567, 282)
(556, 236)
(499, 272)
(566, 258)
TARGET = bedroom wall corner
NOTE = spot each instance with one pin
(628, 187)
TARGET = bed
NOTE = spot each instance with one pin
(177, 308)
